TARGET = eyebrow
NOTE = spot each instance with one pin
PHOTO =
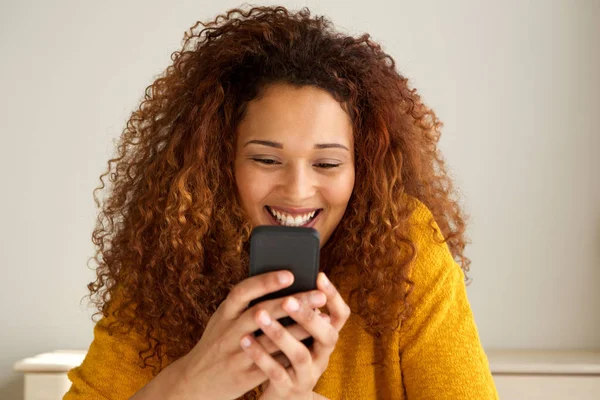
(278, 145)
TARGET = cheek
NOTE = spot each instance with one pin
(251, 187)
(337, 193)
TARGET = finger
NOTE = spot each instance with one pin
(309, 319)
(268, 365)
(246, 322)
(255, 374)
(253, 288)
(325, 335)
(282, 359)
(298, 354)
(338, 309)
(312, 298)
(326, 317)
(297, 331)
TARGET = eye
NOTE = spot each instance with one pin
(327, 165)
(265, 161)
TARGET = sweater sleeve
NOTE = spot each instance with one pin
(112, 369)
(440, 351)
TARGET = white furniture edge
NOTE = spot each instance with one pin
(549, 362)
(553, 362)
(55, 361)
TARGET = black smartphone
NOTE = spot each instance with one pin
(295, 249)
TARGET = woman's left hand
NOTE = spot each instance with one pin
(297, 381)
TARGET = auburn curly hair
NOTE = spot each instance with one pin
(171, 235)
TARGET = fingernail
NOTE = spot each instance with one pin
(324, 280)
(264, 318)
(245, 342)
(317, 298)
(284, 277)
(292, 304)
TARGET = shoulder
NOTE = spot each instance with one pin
(423, 229)
(433, 258)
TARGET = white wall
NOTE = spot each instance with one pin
(516, 84)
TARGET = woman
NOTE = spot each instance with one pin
(270, 117)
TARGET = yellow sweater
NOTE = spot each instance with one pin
(438, 356)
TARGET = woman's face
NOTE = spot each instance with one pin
(294, 161)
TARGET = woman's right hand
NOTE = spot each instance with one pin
(217, 367)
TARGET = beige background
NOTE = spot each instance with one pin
(516, 84)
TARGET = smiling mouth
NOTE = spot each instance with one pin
(286, 219)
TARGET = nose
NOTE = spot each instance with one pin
(298, 184)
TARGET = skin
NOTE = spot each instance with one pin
(282, 162)
(218, 367)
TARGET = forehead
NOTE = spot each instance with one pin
(284, 112)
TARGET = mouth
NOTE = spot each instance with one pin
(305, 219)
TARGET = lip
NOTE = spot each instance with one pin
(273, 221)
(294, 211)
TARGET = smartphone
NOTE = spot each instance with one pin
(295, 249)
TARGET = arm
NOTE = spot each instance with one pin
(441, 354)
(112, 368)
(163, 386)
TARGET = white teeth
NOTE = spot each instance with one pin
(289, 220)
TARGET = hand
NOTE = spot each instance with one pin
(217, 367)
(297, 381)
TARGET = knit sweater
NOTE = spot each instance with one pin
(438, 354)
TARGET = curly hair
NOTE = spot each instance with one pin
(172, 236)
